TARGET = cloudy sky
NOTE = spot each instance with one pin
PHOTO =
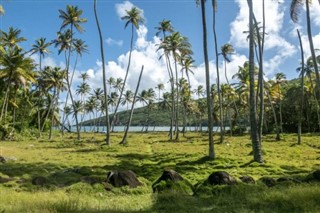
(40, 19)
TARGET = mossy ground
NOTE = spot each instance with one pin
(65, 161)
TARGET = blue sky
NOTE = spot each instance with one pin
(40, 19)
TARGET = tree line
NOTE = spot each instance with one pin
(30, 92)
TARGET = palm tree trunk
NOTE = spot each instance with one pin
(302, 89)
(218, 74)
(313, 55)
(209, 100)
(105, 92)
(256, 145)
(125, 78)
(124, 139)
(177, 104)
(38, 107)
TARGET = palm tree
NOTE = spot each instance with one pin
(160, 87)
(71, 17)
(294, 9)
(16, 72)
(12, 38)
(214, 8)
(302, 88)
(104, 78)
(209, 100)
(175, 44)
(134, 18)
(279, 81)
(127, 98)
(164, 26)
(124, 139)
(111, 81)
(256, 145)
(41, 47)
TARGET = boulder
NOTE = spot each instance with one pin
(123, 178)
(39, 181)
(173, 181)
(268, 181)
(221, 178)
(169, 175)
(247, 179)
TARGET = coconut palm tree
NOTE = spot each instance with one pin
(176, 44)
(17, 72)
(302, 88)
(41, 47)
(12, 38)
(256, 145)
(279, 81)
(207, 71)
(133, 17)
(164, 27)
(71, 18)
(160, 87)
(124, 139)
(127, 98)
(111, 81)
(214, 8)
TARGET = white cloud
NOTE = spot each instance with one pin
(315, 13)
(276, 45)
(111, 42)
(126, 6)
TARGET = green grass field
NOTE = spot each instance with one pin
(65, 162)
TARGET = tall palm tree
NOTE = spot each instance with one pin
(41, 47)
(294, 10)
(71, 18)
(111, 81)
(133, 17)
(279, 81)
(214, 8)
(256, 145)
(209, 100)
(160, 87)
(164, 26)
(176, 44)
(302, 88)
(124, 139)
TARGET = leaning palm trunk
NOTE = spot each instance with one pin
(313, 55)
(218, 74)
(209, 100)
(169, 68)
(124, 140)
(105, 92)
(177, 104)
(256, 145)
(124, 81)
(274, 117)
(302, 89)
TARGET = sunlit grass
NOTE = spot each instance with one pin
(65, 161)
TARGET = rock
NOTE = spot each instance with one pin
(247, 179)
(123, 178)
(39, 181)
(221, 178)
(170, 175)
(4, 180)
(173, 181)
(268, 181)
(2, 159)
(316, 175)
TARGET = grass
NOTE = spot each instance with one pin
(65, 163)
